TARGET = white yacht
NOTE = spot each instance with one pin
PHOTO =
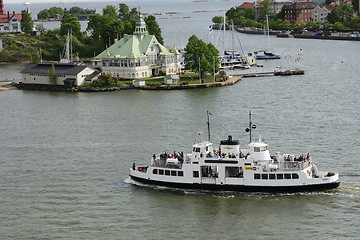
(232, 168)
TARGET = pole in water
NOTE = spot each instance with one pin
(208, 123)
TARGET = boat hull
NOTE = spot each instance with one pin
(242, 188)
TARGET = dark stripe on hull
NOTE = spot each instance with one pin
(241, 188)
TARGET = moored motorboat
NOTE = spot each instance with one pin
(232, 168)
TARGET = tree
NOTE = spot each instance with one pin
(264, 9)
(110, 11)
(198, 54)
(124, 12)
(355, 4)
(153, 28)
(43, 14)
(217, 19)
(95, 25)
(70, 23)
(27, 23)
(52, 75)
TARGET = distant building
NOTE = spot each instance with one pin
(277, 5)
(68, 74)
(171, 79)
(138, 56)
(321, 13)
(9, 23)
(138, 83)
(300, 11)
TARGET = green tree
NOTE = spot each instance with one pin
(70, 23)
(355, 23)
(43, 14)
(338, 26)
(94, 26)
(264, 9)
(111, 12)
(217, 19)
(27, 23)
(52, 75)
(198, 54)
(355, 4)
(124, 12)
(153, 28)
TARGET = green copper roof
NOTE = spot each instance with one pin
(140, 22)
(131, 46)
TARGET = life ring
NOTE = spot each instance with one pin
(295, 164)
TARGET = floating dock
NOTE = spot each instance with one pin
(277, 72)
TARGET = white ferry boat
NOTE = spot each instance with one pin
(232, 168)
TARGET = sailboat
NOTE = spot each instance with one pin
(232, 59)
(266, 54)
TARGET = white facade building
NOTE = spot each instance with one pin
(320, 14)
(67, 74)
(138, 56)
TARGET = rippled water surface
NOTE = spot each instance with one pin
(65, 156)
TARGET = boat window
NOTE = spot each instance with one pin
(287, 176)
(256, 176)
(155, 171)
(263, 148)
(196, 149)
(272, 176)
(167, 172)
(173, 173)
(264, 176)
(295, 176)
(161, 171)
(195, 174)
(279, 176)
(233, 172)
(256, 149)
(180, 173)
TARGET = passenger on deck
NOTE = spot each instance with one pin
(201, 155)
(133, 167)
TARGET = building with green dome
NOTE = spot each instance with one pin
(138, 56)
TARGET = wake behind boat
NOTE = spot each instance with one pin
(232, 168)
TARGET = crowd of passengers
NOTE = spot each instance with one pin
(219, 154)
(295, 159)
(165, 155)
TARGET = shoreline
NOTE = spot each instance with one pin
(60, 88)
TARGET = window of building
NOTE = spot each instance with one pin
(195, 174)
(155, 171)
(167, 172)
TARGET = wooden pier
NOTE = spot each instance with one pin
(277, 72)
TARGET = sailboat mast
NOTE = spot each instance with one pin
(68, 47)
(224, 33)
(268, 31)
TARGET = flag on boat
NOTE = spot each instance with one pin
(210, 29)
(209, 113)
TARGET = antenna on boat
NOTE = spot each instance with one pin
(251, 126)
(208, 123)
